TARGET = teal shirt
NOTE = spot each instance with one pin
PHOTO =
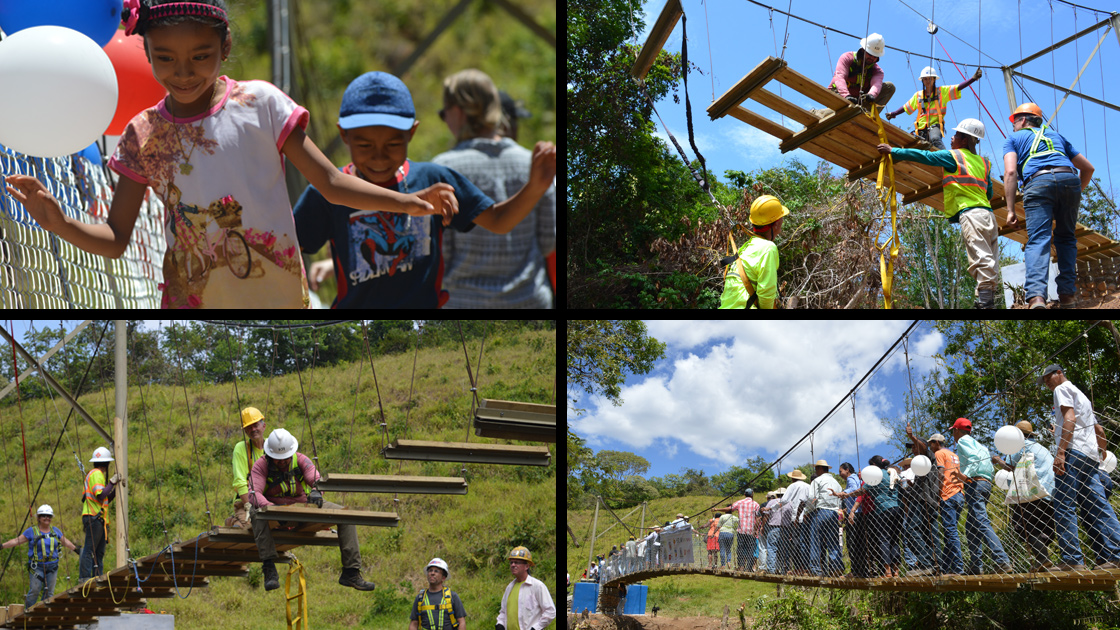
(944, 159)
(976, 460)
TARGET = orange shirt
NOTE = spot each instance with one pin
(948, 460)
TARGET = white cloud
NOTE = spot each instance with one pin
(730, 388)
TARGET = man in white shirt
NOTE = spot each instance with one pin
(1080, 447)
(794, 532)
(824, 522)
(526, 604)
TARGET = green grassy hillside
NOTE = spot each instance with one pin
(505, 506)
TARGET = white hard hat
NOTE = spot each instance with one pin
(280, 444)
(102, 454)
(928, 71)
(972, 127)
(437, 562)
(873, 44)
(44, 510)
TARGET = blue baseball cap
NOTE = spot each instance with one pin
(377, 99)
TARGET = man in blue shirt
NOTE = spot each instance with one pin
(1051, 192)
(976, 474)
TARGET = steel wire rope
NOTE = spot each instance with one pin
(194, 441)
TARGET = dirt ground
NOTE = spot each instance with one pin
(649, 622)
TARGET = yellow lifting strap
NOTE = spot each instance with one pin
(300, 622)
(890, 200)
(739, 267)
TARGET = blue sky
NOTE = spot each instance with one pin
(729, 391)
(740, 35)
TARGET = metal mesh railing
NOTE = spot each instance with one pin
(40, 270)
(911, 529)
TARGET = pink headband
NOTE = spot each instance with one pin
(135, 10)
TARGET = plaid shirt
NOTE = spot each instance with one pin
(487, 270)
(748, 510)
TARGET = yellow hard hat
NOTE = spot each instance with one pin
(521, 553)
(766, 210)
(250, 415)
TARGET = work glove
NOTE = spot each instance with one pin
(891, 115)
(114, 479)
(78, 551)
(315, 497)
(979, 73)
(499, 627)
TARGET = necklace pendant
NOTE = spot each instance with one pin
(186, 168)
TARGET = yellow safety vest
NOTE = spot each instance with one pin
(444, 606)
(968, 187)
(90, 503)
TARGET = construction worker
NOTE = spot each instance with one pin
(527, 600)
(95, 513)
(930, 103)
(245, 452)
(285, 476)
(437, 607)
(43, 544)
(752, 276)
(1045, 162)
(858, 76)
(967, 189)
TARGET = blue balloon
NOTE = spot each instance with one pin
(91, 153)
(96, 19)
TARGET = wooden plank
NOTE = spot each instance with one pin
(307, 514)
(819, 128)
(406, 484)
(753, 80)
(316, 539)
(467, 452)
(493, 403)
(806, 86)
(765, 124)
(657, 36)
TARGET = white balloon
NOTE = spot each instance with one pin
(872, 475)
(60, 91)
(921, 465)
(1009, 440)
(1003, 480)
(1109, 463)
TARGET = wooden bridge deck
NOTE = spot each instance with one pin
(222, 551)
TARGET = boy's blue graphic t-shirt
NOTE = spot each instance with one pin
(387, 259)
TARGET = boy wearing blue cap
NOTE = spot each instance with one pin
(380, 260)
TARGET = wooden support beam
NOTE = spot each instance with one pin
(389, 484)
(236, 535)
(467, 452)
(820, 128)
(657, 37)
(754, 80)
(516, 421)
(311, 514)
(925, 193)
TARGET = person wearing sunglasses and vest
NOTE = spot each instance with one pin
(437, 607)
(930, 102)
(526, 604)
(967, 190)
(43, 546)
(1045, 162)
(751, 280)
(285, 476)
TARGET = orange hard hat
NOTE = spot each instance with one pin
(1026, 108)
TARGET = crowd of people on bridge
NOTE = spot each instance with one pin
(908, 523)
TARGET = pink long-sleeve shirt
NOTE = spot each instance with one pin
(259, 476)
(840, 78)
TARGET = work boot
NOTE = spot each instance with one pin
(985, 299)
(353, 579)
(271, 578)
(1067, 301)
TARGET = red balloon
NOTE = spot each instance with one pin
(138, 89)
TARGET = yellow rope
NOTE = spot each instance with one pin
(889, 199)
(300, 623)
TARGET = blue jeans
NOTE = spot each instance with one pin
(93, 549)
(978, 530)
(773, 538)
(725, 540)
(825, 530)
(1081, 486)
(951, 553)
(42, 579)
(1051, 197)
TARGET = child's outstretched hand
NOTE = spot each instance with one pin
(544, 165)
(40, 204)
(442, 199)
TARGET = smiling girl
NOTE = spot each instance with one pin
(213, 151)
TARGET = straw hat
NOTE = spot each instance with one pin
(797, 474)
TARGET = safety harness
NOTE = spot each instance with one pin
(444, 605)
(43, 549)
(284, 483)
(1039, 137)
